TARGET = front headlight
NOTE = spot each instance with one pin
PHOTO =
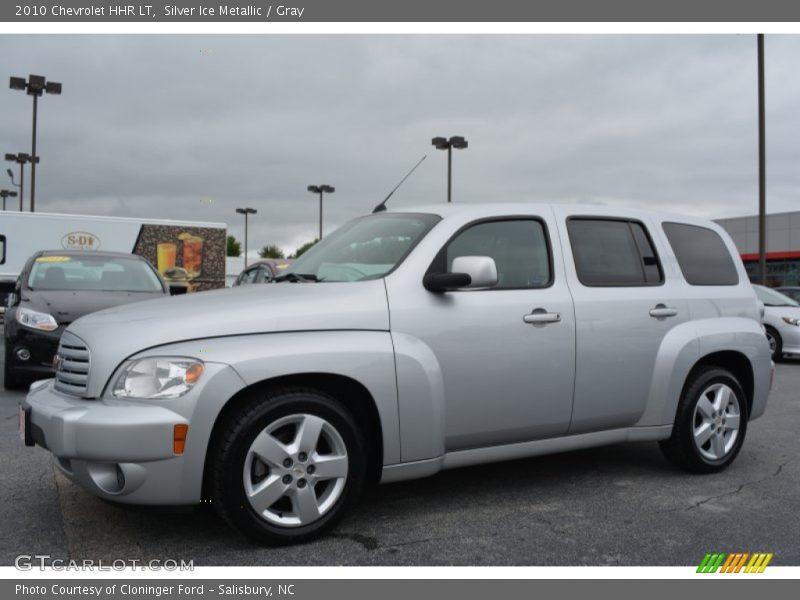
(791, 321)
(158, 377)
(35, 319)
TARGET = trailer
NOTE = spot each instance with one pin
(184, 252)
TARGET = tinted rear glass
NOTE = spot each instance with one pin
(703, 257)
(611, 252)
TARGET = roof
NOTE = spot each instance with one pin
(479, 210)
(274, 262)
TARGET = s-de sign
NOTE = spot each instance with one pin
(80, 240)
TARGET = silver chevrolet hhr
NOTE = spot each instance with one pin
(405, 343)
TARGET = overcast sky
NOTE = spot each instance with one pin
(193, 126)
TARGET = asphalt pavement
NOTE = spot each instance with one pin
(616, 505)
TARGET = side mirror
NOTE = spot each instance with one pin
(467, 272)
(176, 289)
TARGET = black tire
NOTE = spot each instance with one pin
(229, 451)
(777, 353)
(680, 449)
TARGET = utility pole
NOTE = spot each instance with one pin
(762, 169)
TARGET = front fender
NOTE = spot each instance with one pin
(689, 342)
(365, 356)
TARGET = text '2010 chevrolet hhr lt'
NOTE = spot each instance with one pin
(406, 343)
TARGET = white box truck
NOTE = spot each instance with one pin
(190, 252)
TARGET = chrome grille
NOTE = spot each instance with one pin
(72, 366)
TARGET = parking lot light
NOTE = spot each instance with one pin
(321, 189)
(247, 211)
(36, 85)
(459, 143)
(7, 194)
(20, 158)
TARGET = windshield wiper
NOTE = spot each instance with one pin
(297, 277)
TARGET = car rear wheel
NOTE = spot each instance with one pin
(710, 424)
(287, 466)
(775, 344)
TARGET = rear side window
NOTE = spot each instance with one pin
(613, 252)
(703, 257)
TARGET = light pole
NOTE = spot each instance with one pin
(7, 194)
(15, 184)
(457, 142)
(321, 189)
(36, 85)
(20, 158)
(246, 212)
(762, 168)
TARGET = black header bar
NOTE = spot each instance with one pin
(338, 11)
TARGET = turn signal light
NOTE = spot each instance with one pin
(193, 373)
(179, 433)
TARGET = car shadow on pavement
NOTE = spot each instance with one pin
(94, 526)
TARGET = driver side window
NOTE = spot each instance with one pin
(519, 247)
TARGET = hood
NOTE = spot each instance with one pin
(67, 306)
(115, 334)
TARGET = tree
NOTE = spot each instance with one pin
(234, 247)
(302, 249)
(271, 251)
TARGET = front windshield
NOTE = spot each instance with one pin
(366, 248)
(772, 298)
(98, 274)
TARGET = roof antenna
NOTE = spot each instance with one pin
(382, 206)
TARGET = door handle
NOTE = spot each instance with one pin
(540, 316)
(660, 311)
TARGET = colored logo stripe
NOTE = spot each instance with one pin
(710, 563)
(735, 562)
(758, 563)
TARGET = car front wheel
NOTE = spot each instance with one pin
(710, 423)
(287, 466)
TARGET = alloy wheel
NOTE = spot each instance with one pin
(717, 418)
(295, 470)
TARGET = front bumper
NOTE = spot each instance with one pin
(114, 451)
(123, 450)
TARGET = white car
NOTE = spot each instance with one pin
(781, 320)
